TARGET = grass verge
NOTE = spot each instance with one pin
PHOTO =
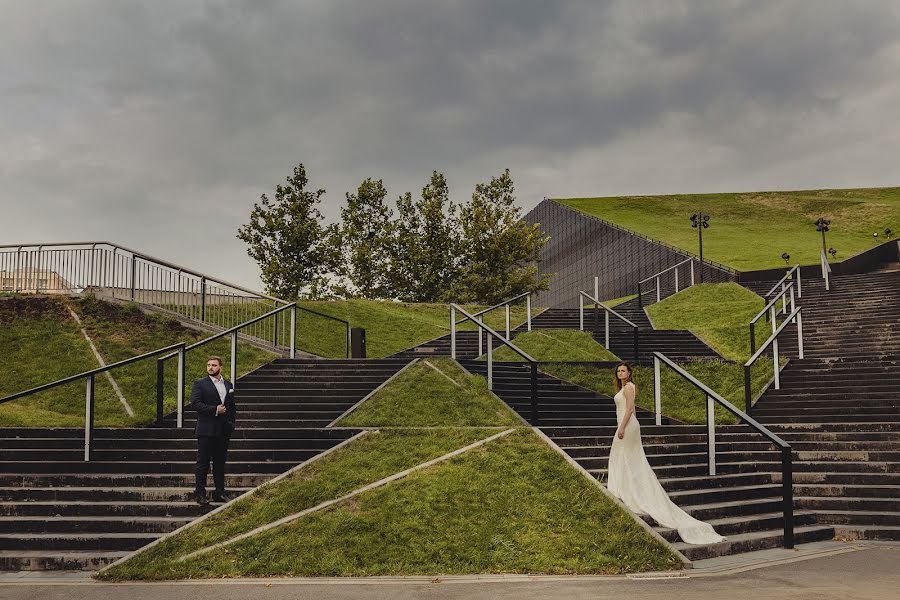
(555, 345)
(511, 506)
(427, 396)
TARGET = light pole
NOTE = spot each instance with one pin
(700, 222)
(822, 225)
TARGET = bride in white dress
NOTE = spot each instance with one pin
(633, 481)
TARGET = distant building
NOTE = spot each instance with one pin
(30, 281)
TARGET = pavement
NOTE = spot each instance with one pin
(833, 571)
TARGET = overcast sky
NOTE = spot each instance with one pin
(158, 124)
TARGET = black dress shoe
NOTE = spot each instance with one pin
(221, 498)
(201, 500)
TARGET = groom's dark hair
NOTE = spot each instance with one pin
(618, 382)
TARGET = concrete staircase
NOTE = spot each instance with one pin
(59, 512)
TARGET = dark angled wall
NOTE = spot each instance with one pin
(582, 247)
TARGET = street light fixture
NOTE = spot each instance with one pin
(785, 257)
(888, 233)
(832, 252)
(822, 225)
(700, 222)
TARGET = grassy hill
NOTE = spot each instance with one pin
(750, 231)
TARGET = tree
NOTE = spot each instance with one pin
(286, 238)
(364, 239)
(501, 250)
(425, 244)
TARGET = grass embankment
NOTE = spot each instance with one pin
(511, 506)
(716, 313)
(441, 394)
(555, 345)
(45, 344)
(390, 326)
(782, 222)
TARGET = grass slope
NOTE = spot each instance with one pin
(119, 332)
(781, 222)
(512, 506)
(555, 345)
(423, 397)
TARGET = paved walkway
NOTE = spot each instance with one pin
(855, 573)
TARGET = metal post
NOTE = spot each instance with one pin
(179, 422)
(234, 342)
(775, 358)
(640, 297)
(676, 280)
(606, 327)
(276, 316)
(133, 273)
(293, 331)
(748, 399)
(535, 413)
(596, 316)
(490, 361)
(528, 309)
(783, 300)
(452, 332)
(580, 312)
(596, 288)
(657, 390)
(752, 338)
(711, 433)
(507, 322)
(800, 334)
(793, 302)
(772, 317)
(160, 384)
(658, 292)
(481, 336)
(692, 271)
(203, 299)
(89, 419)
(787, 487)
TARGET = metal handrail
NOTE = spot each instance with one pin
(826, 269)
(535, 409)
(89, 394)
(797, 316)
(607, 311)
(769, 311)
(783, 279)
(712, 398)
(658, 288)
(506, 303)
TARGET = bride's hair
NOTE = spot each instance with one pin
(630, 375)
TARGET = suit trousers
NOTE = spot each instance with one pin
(215, 449)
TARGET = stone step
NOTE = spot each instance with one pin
(95, 524)
(61, 561)
(756, 540)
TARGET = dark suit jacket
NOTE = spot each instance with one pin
(204, 400)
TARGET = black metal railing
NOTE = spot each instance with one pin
(607, 311)
(479, 316)
(533, 365)
(795, 316)
(713, 398)
(792, 275)
(89, 377)
(657, 278)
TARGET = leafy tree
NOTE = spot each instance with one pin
(363, 241)
(425, 244)
(501, 250)
(288, 241)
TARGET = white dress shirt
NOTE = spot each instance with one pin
(219, 382)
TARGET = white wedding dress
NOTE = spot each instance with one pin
(633, 481)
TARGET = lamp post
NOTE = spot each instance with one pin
(822, 225)
(700, 222)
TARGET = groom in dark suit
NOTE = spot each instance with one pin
(213, 399)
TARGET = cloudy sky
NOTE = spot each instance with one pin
(158, 124)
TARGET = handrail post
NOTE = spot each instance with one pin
(748, 392)
(799, 286)
(276, 317)
(203, 299)
(711, 434)
(657, 390)
(640, 297)
(490, 363)
(452, 332)
(636, 344)
(775, 364)
(580, 312)
(772, 316)
(783, 299)
(787, 486)
(89, 419)
(179, 422)
(507, 322)
(294, 331)
(658, 292)
(347, 339)
(606, 327)
(692, 271)
(535, 413)
(793, 302)
(596, 288)
(234, 344)
(752, 338)
(800, 334)
(481, 337)
(528, 309)
(596, 316)
(676, 280)
(133, 273)
(160, 384)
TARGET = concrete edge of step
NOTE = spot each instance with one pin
(247, 494)
(685, 562)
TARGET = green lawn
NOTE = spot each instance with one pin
(390, 326)
(555, 345)
(119, 332)
(750, 231)
(511, 506)
(617, 301)
(422, 396)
